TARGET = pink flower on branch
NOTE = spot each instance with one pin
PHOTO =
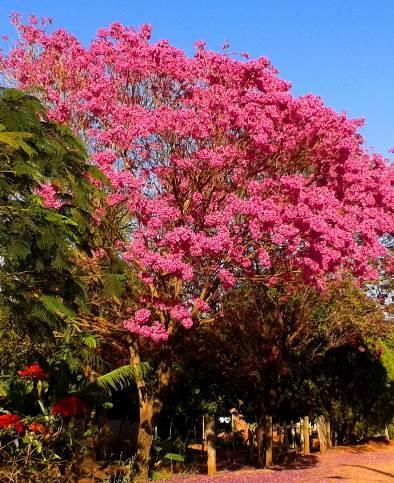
(221, 170)
(49, 196)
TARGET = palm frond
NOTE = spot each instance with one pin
(122, 377)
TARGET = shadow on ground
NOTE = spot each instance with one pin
(385, 473)
(232, 461)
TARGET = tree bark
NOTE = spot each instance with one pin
(150, 405)
(329, 433)
(260, 444)
(145, 437)
(307, 447)
(323, 430)
(210, 438)
(268, 440)
(251, 444)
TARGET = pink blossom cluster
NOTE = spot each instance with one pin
(49, 196)
(224, 173)
(183, 315)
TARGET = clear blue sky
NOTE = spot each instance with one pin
(342, 50)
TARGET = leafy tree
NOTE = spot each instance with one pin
(269, 348)
(220, 174)
(40, 294)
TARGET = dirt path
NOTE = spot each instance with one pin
(373, 463)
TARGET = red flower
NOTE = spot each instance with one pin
(70, 406)
(37, 427)
(11, 421)
(34, 371)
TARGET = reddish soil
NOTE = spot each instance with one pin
(372, 463)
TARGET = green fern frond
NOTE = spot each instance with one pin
(59, 263)
(18, 249)
(89, 340)
(113, 284)
(42, 314)
(121, 377)
(54, 305)
(16, 140)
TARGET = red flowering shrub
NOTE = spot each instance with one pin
(11, 421)
(70, 406)
(37, 428)
(34, 371)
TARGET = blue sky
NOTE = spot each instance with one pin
(342, 50)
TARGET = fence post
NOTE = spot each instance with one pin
(251, 443)
(323, 430)
(292, 432)
(210, 438)
(268, 440)
(203, 435)
(260, 444)
(307, 447)
(285, 434)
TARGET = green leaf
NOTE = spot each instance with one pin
(55, 306)
(121, 377)
(3, 389)
(42, 407)
(18, 249)
(174, 457)
(89, 340)
(113, 284)
(107, 405)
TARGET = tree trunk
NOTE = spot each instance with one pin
(251, 444)
(260, 444)
(307, 447)
(329, 433)
(145, 437)
(323, 430)
(268, 440)
(210, 438)
(150, 405)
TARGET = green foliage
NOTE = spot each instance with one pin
(174, 457)
(55, 306)
(44, 445)
(388, 357)
(41, 290)
(121, 377)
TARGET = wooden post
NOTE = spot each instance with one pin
(203, 435)
(268, 440)
(307, 447)
(251, 443)
(293, 434)
(285, 435)
(328, 432)
(210, 438)
(323, 430)
(302, 446)
(260, 444)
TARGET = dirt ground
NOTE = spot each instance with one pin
(365, 463)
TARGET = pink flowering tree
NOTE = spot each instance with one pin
(220, 173)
